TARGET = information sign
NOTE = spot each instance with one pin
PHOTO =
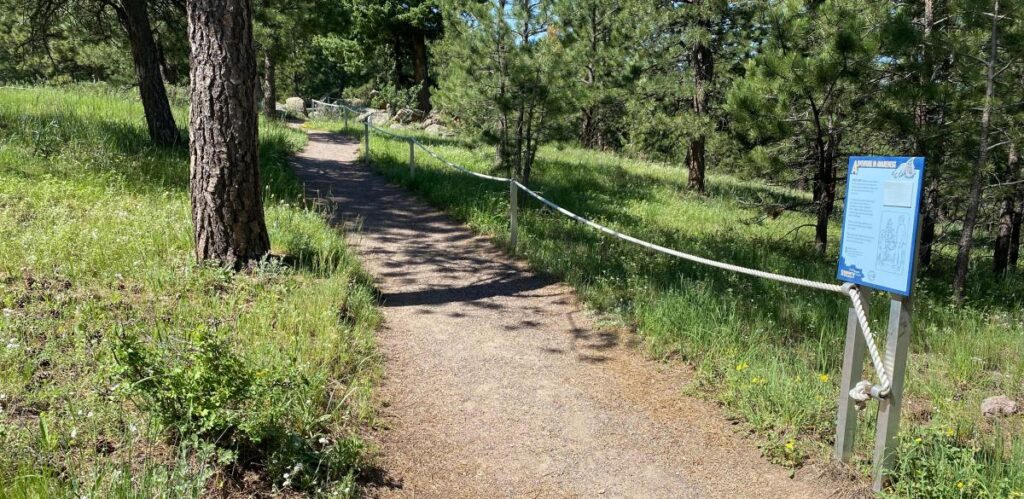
(883, 197)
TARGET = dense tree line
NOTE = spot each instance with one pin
(777, 90)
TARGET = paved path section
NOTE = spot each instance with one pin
(498, 382)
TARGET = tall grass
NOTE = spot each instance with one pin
(95, 247)
(769, 352)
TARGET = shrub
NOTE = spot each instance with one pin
(206, 395)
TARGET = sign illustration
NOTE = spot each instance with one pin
(883, 197)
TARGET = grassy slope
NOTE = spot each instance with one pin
(770, 353)
(95, 244)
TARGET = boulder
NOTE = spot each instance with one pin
(295, 106)
(997, 406)
(438, 129)
(407, 115)
(375, 116)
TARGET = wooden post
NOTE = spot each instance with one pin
(897, 347)
(345, 111)
(513, 214)
(853, 369)
(366, 133)
(412, 159)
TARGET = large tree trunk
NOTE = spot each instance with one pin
(269, 87)
(703, 64)
(225, 187)
(963, 256)
(146, 58)
(421, 63)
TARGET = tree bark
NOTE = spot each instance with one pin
(421, 67)
(224, 185)
(134, 19)
(703, 64)
(269, 87)
(1015, 228)
(924, 146)
(1004, 231)
(963, 256)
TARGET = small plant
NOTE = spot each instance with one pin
(209, 397)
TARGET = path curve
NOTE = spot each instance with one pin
(497, 381)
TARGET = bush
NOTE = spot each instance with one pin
(206, 395)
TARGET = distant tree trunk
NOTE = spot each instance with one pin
(146, 57)
(225, 187)
(1013, 258)
(963, 256)
(269, 86)
(923, 120)
(421, 68)
(588, 115)
(1008, 210)
(703, 64)
(826, 145)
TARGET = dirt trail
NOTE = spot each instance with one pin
(498, 382)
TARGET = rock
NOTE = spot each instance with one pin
(407, 115)
(376, 117)
(437, 129)
(295, 106)
(998, 406)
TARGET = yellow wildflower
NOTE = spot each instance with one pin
(742, 366)
(790, 445)
(823, 377)
(959, 485)
(949, 432)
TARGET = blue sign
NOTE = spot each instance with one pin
(883, 198)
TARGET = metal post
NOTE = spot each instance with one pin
(412, 159)
(513, 213)
(853, 369)
(897, 347)
(366, 133)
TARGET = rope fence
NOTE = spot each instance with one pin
(861, 392)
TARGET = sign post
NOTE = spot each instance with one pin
(878, 250)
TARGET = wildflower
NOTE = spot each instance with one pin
(742, 366)
(959, 485)
(790, 446)
(74, 433)
(949, 432)
(324, 441)
(757, 380)
(823, 378)
(917, 440)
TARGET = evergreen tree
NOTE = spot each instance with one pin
(504, 76)
(805, 86)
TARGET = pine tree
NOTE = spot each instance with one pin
(504, 74)
(804, 87)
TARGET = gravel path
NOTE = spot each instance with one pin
(499, 383)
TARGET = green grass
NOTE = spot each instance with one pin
(770, 353)
(98, 286)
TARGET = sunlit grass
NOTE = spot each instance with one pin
(789, 340)
(95, 243)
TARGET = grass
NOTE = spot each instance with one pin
(770, 353)
(130, 371)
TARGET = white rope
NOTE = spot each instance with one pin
(861, 392)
